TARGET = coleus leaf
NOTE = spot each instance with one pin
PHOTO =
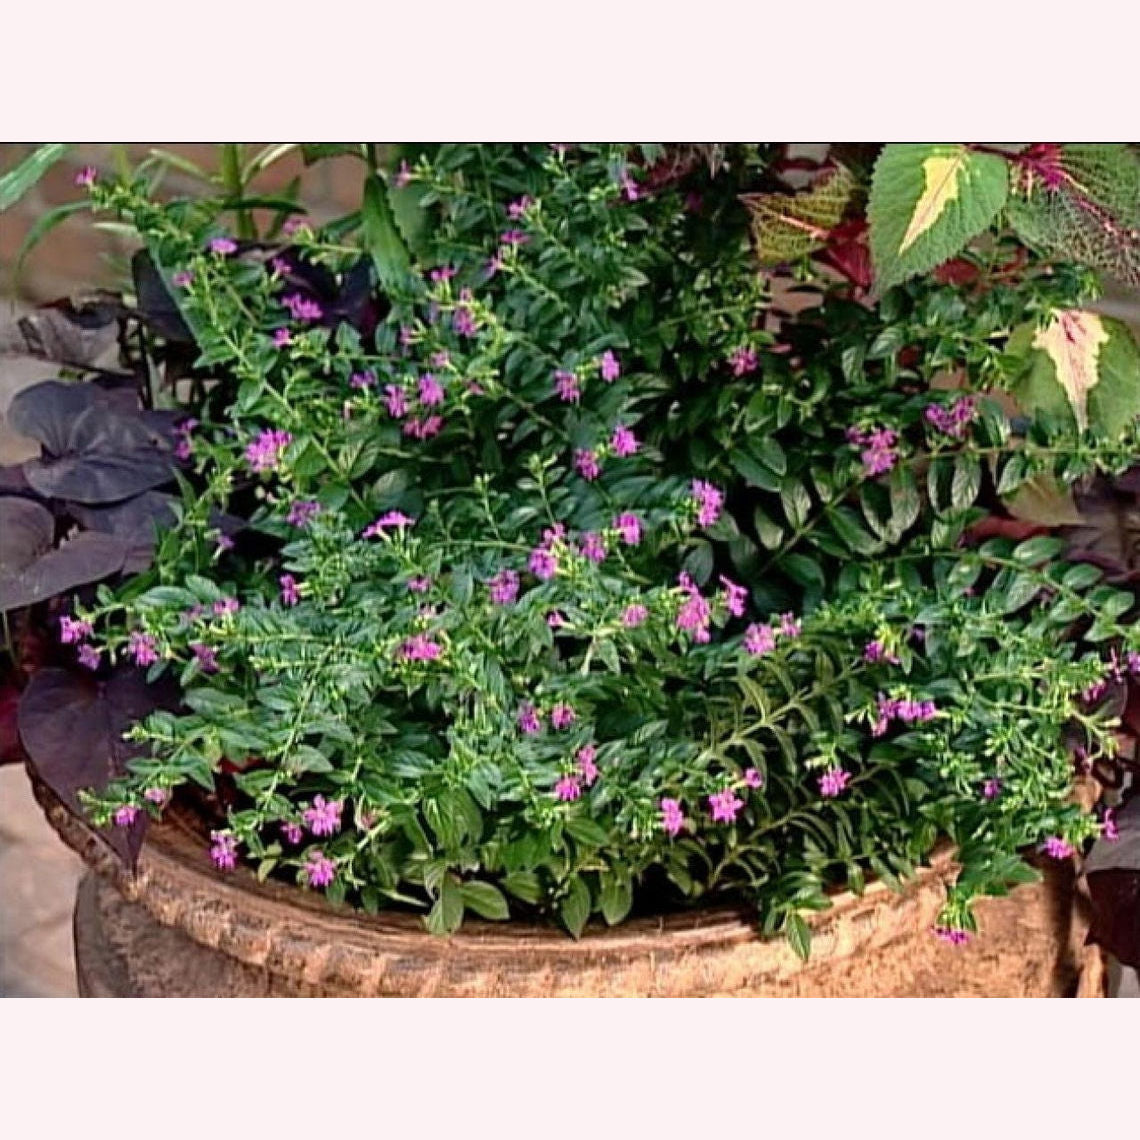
(32, 570)
(1082, 367)
(1080, 202)
(72, 727)
(789, 226)
(927, 202)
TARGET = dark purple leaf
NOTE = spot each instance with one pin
(1112, 870)
(31, 570)
(66, 332)
(156, 303)
(94, 453)
(135, 522)
(72, 728)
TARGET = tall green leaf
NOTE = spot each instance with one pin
(22, 177)
(381, 237)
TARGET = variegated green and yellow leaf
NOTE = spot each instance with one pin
(927, 201)
(790, 226)
(1084, 367)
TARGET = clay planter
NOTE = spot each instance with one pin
(180, 928)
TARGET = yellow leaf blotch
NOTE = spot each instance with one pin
(941, 175)
(1072, 341)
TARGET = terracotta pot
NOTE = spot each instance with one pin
(177, 927)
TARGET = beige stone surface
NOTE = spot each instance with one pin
(38, 877)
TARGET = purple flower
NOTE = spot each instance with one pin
(379, 528)
(586, 757)
(628, 525)
(125, 815)
(440, 359)
(623, 442)
(323, 817)
(72, 630)
(1109, 829)
(672, 818)
(423, 430)
(878, 455)
(743, 360)
(991, 789)
(953, 420)
(610, 367)
(402, 176)
(182, 279)
(156, 796)
(420, 647)
(543, 563)
(567, 788)
(709, 500)
(86, 177)
(834, 782)
(725, 805)
(463, 321)
(224, 850)
(504, 587)
(529, 720)
(224, 543)
(430, 391)
(292, 832)
(1057, 848)
(302, 512)
(875, 652)
(513, 237)
(224, 606)
(634, 615)
(222, 245)
(735, 597)
(789, 626)
(88, 657)
(695, 613)
(419, 585)
(753, 778)
(759, 639)
(362, 380)
(396, 401)
(320, 870)
(556, 619)
(282, 337)
(519, 207)
(567, 386)
(592, 546)
(280, 266)
(264, 453)
(289, 594)
(562, 716)
(206, 657)
(143, 648)
(629, 187)
(302, 308)
(951, 936)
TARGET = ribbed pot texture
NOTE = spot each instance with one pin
(177, 927)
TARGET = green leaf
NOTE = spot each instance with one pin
(575, 908)
(486, 900)
(789, 226)
(40, 228)
(797, 502)
(798, 933)
(927, 201)
(966, 483)
(381, 237)
(24, 175)
(616, 898)
(446, 916)
(586, 831)
(523, 885)
(846, 524)
(769, 532)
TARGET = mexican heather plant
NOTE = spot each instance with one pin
(600, 571)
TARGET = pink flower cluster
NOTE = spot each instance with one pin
(567, 387)
(302, 512)
(875, 652)
(264, 453)
(183, 431)
(878, 454)
(543, 561)
(1057, 848)
(725, 805)
(379, 528)
(205, 656)
(289, 593)
(72, 630)
(953, 420)
(695, 613)
(587, 465)
(323, 816)
(143, 648)
(834, 782)
(672, 817)
(609, 366)
(743, 361)
(633, 615)
(623, 442)
(223, 850)
(951, 936)
(420, 647)
(991, 789)
(735, 597)
(302, 308)
(504, 587)
(761, 638)
(126, 815)
(628, 526)
(904, 709)
(320, 870)
(709, 500)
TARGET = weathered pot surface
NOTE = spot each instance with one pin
(275, 939)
